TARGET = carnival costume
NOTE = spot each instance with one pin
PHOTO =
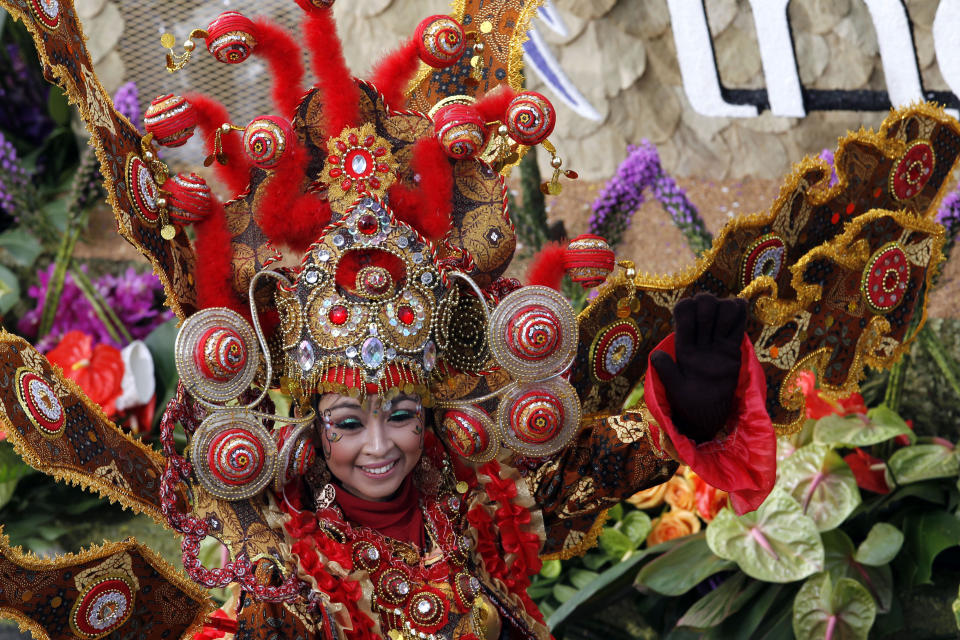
(393, 192)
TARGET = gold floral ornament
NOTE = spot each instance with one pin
(358, 163)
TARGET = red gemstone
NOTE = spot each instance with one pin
(374, 183)
(338, 315)
(334, 159)
(405, 315)
(380, 152)
(341, 145)
(336, 173)
(346, 183)
(382, 168)
(353, 139)
(367, 225)
(368, 141)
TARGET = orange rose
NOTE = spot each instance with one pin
(679, 494)
(673, 524)
(709, 499)
(649, 498)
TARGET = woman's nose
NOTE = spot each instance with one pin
(378, 441)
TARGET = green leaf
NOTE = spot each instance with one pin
(923, 462)
(775, 543)
(682, 568)
(9, 290)
(636, 525)
(840, 563)
(594, 559)
(881, 545)
(926, 534)
(58, 108)
(721, 603)
(824, 611)
(160, 343)
(551, 568)
(582, 577)
(615, 543)
(818, 478)
(563, 592)
(879, 425)
(21, 245)
(956, 611)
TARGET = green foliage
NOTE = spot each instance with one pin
(824, 610)
(818, 478)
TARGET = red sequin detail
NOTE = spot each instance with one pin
(405, 315)
(367, 225)
(338, 315)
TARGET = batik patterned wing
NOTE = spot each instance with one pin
(902, 167)
(120, 590)
(59, 431)
(859, 301)
(242, 525)
(131, 188)
(502, 57)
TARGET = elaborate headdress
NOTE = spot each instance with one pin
(392, 192)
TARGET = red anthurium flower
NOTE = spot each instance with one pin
(97, 369)
(869, 472)
(903, 439)
(819, 405)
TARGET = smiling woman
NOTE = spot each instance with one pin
(371, 448)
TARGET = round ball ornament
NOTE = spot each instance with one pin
(231, 37)
(764, 257)
(440, 41)
(171, 119)
(885, 278)
(530, 118)
(265, 140)
(40, 403)
(533, 333)
(188, 198)
(234, 457)
(216, 354)
(460, 130)
(538, 419)
(296, 454)
(614, 349)
(102, 607)
(471, 433)
(588, 259)
(912, 171)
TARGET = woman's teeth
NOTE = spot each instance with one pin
(381, 469)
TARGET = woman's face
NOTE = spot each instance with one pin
(371, 448)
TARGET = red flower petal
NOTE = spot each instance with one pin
(869, 472)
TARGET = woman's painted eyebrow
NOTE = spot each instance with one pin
(345, 404)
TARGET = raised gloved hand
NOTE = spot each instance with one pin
(701, 384)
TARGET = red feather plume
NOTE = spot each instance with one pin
(427, 206)
(210, 115)
(546, 268)
(284, 58)
(392, 75)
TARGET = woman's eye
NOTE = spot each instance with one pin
(349, 424)
(401, 416)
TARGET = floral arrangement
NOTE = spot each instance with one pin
(860, 513)
(618, 200)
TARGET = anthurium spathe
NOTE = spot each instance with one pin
(869, 471)
(98, 370)
(818, 478)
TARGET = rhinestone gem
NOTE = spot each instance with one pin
(305, 355)
(424, 607)
(323, 256)
(403, 588)
(338, 315)
(429, 355)
(402, 242)
(426, 277)
(373, 554)
(338, 240)
(417, 258)
(359, 164)
(367, 225)
(351, 352)
(366, 203)
(372, 353)
(405, 315)
(312, 277)
(391, 353)
(474, 584)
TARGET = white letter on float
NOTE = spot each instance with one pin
(896, 51)
(778, 57)
(946, 43)
(698, 67)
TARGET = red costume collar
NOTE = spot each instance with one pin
(399, 517)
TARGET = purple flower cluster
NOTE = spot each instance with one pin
(949, 216)
(135, 298)
(624, 193)
(23, 97)
(13, 178)
(127, 101)
(827, 156)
